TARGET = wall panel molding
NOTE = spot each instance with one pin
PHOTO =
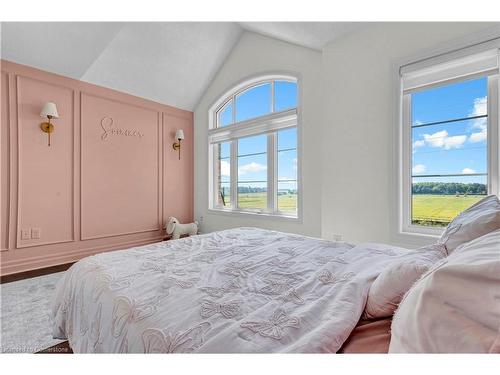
(28, 120)
(60, 204)
(5, 164)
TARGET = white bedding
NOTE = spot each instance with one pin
(239, 290)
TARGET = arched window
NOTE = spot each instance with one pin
(253, 149)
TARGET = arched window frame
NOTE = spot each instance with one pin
(268, 124)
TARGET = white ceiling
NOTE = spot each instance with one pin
(168, 62)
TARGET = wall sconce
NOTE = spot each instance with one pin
(179, 135)
(49, 110)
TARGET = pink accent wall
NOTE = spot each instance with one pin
(109, 180)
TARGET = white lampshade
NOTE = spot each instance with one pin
(49, 109)
(179, 134)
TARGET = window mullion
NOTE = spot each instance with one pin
(234, 174)
(493, 136)
(272, 172)
(406, 188)
(272, 97)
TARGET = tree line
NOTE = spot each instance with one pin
(448, 188)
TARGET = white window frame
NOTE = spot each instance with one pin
(404, 135)
(268, 124)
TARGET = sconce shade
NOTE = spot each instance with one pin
(179, 134)
(49, 109)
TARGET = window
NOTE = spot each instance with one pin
(450, 139)
(253, 150)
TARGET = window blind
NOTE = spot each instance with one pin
(447, 68)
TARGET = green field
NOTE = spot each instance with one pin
(286, 202)
(439, 210)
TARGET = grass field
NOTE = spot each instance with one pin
(434, 210)
(439, 210)
(286, 202)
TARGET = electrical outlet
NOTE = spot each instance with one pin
(337, 237)
(36, 233)
(25, 234)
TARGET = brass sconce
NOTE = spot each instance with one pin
(49, 111)
(179, 135)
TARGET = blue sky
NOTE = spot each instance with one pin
(452, 148)
(253, 168)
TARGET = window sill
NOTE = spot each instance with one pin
(259, 215)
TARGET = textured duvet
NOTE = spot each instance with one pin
(240, 290)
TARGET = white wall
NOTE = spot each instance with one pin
(255, 54)
(348, 112)
(358, 74)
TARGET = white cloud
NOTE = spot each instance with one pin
(436, 139)
(480, 108)
(479, 136)
(441, 139)
(225, 168)
(418, 144)
(468, 171)
(419, 168)
(456, 141)
(251, 168)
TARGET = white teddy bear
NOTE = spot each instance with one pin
(177, 229)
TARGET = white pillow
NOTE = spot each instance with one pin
(481, 218)
(455, 307)
(391, 285)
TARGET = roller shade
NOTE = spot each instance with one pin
(432, 72)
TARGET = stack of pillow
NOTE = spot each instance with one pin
(448, 293)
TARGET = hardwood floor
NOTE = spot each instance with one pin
(34, 273)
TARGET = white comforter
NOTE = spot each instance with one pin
(239, 290)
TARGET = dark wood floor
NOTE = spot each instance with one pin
(34, 273)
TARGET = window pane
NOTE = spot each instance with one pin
(225, 115)
(224, 150)
(285, 95)
(225, 194)
(252, 145)
(252, 168)
(449, 160)
(287, 139)
(437, 200)
(458, 100)
(252, 195)
(287, 165)
(252, 172)
(287, 196)
(454, 148)
(253, 103)
(224, 173)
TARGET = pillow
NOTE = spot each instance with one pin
(481, 218)
(455, 307)
(389, 288)
(391, 285)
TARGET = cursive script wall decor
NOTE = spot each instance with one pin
(109, 130)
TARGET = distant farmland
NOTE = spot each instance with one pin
(286, 202)
(439, 210)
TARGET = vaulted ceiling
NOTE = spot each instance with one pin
(168, 62)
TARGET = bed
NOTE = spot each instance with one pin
(244, 290)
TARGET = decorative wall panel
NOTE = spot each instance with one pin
(108, 181)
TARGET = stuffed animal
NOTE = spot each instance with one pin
(177, 229)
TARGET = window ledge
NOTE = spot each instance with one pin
(247, 214)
